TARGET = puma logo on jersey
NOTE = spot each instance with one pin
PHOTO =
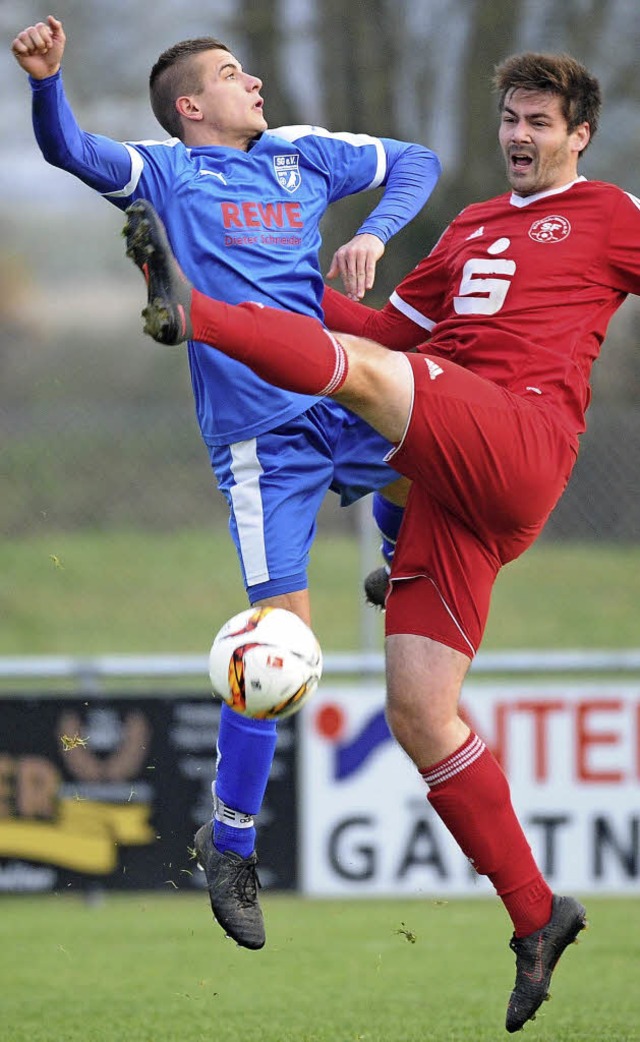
(476, 235)
(434, 369)
(214, 173)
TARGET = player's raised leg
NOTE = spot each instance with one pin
(291, 351)
(169, 291)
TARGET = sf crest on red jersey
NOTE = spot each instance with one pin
(550, 229)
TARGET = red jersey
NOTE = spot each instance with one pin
(520, 291)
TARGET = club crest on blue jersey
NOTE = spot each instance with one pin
(287, 172)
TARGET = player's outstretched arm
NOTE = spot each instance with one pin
(101, 163)
(38, 49)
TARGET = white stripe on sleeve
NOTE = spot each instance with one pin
(411, 313)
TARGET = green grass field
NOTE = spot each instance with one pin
(153, 968)
(146, 968)
(145, 592)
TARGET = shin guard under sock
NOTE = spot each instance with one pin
(291, 351)
(245, 754)
(470, 793)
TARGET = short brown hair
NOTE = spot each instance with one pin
(559, 74)
(175, 74)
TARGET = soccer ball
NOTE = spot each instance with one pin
(265, 663)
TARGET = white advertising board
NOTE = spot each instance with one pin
(572, 756)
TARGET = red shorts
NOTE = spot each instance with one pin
(487, 468)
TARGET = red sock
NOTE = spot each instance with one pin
(470, 793)
(291, 351)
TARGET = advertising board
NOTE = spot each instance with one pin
(572, 756)
(107, 793)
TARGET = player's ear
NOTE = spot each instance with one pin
(582, 136)
(188, 107)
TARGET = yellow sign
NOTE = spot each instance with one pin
(84, 835)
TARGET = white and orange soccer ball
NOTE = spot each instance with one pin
(265, 663)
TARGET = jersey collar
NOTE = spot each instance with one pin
(526, 200)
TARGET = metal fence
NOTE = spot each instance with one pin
(89, 674)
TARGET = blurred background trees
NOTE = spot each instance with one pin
(94, 416)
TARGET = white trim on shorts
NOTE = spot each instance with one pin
(247, 508)
(391, 453)
(449, 611)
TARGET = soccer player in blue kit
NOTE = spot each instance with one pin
(242, 206)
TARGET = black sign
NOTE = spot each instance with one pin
(108, 793)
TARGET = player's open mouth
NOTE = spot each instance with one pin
(520, 161)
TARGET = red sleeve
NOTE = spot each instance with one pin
(623, 256)
(344, 315)
(388, 327)
(413, 309)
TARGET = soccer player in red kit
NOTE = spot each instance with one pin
(507, 313)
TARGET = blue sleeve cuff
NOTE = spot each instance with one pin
(48, 81)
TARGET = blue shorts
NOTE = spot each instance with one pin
(275, 484)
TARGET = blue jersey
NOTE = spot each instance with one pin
(243, 225)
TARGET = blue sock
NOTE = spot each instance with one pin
(388, 517)
(245, 754)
